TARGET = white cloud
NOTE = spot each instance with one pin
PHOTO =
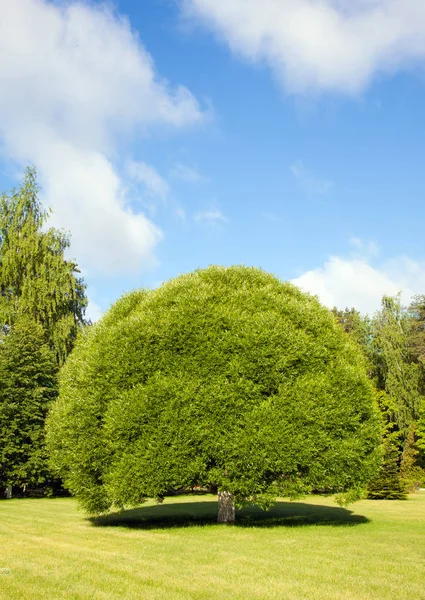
(337, 45)
(213, 216)
(346, 282)
(74, 80)
(149, 177)
(308, 182)
(186, 173)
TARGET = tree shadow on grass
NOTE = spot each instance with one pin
(189, 514)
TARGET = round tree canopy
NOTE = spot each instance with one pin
(226, 377)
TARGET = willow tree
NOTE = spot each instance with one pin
(36, 280)
(395, 370)
(416, 341)
(224, 377)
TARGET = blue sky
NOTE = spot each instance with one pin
(171, 135)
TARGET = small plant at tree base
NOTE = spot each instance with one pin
(224, 377)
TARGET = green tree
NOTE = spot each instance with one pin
(35, 278)
(27, 387)
(226, 377)
(42, 305)
(420, 430)
(394, 369)
(411, 473)
(356, 325)
(398, 376)
(416, 339)
(388, 484)
(393, 342)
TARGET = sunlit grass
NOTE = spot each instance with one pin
(310, 549)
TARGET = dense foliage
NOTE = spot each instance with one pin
(42, 304)
(27, 387)
(35, 278)
(395, 369)
(393, 343)
(225, 376)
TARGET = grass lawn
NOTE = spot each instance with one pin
(309, 549)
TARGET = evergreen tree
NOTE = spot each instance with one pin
(410, 470)
(35, 278)
(388, 484)
(420, 430)
(27, 387)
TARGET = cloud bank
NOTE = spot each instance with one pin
(75, 80)
(356, 281)
(331, 45)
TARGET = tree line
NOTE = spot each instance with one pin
(42, 314)
(393, 343)
(42, 308)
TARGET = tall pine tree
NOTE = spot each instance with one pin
(27, 386)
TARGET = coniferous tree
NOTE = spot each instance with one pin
(410, 470)
(27, 386)
(420, 431)
(388, 484)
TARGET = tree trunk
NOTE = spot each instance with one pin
(8, 492)
(226, 508)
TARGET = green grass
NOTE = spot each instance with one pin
(310, 549)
